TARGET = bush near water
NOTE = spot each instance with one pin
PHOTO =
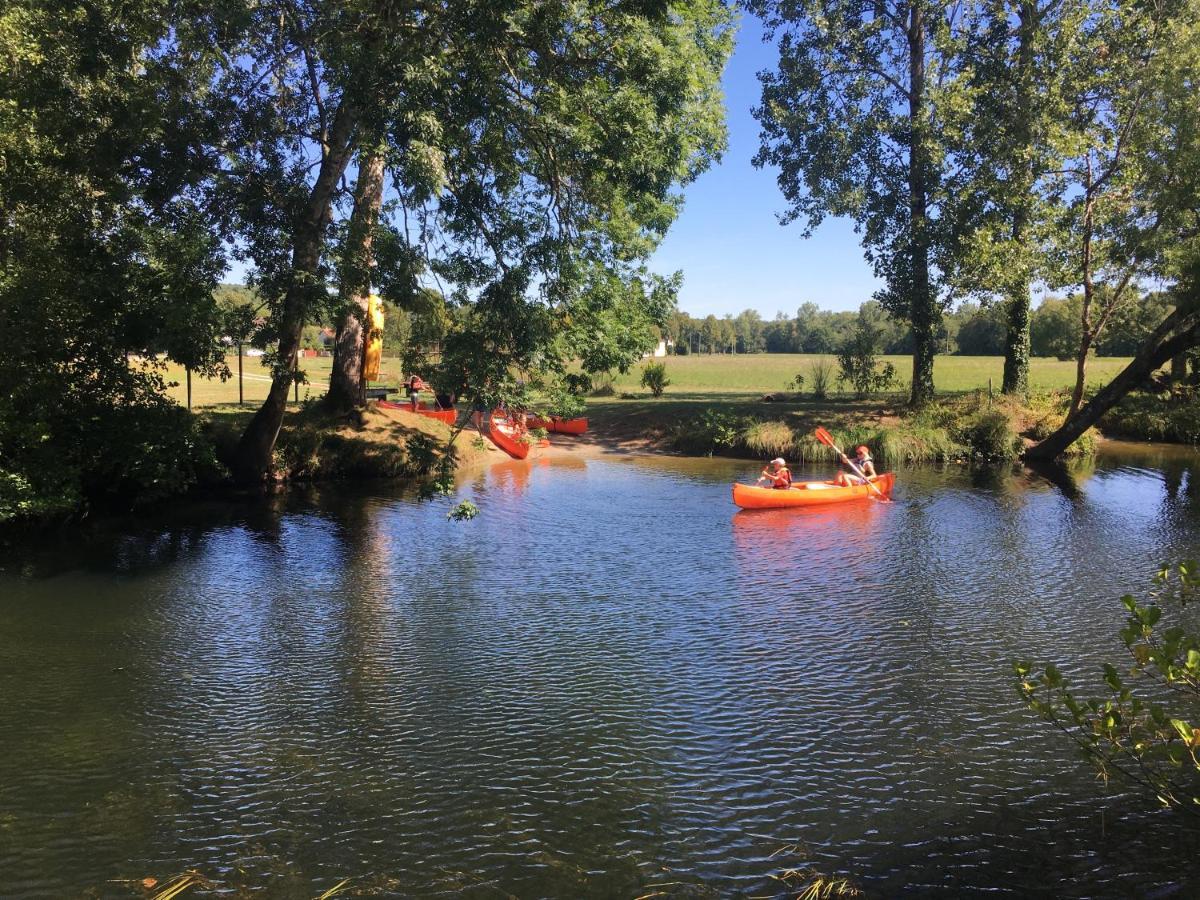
(965, 428)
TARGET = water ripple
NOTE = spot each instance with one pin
(609, 680)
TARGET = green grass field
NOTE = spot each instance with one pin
(762, 373)
(256, 381)
(736, 377)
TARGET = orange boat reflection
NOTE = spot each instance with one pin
(837, 534)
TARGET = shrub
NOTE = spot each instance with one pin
(769, 439)
(1154, 418)
(144, 452)
(654, 377)
(564, 403)
(857, 362)
(796, 384)
(708, 434)
(821, 371)
(989, 435)
(602, 385)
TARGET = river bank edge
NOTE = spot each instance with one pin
(381, 444)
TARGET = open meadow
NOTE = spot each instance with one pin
(761, 373)
(256, 381)
(733, 377)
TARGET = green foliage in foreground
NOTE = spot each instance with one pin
(1145, 727)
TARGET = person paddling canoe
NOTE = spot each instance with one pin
(862, 459)
(778, 474)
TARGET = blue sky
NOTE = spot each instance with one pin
(728, 242)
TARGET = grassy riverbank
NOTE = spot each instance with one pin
(370, 443)
(744, 405)
(960, 427)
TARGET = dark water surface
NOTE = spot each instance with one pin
(608, 682)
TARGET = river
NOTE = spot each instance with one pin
(609, 684)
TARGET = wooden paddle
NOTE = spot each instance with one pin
(827, 439)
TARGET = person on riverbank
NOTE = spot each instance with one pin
(862, 459)
(778, 474)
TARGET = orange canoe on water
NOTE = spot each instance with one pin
(809, 493)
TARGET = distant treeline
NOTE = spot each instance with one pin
(969, 330)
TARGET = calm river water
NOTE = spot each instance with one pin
(609, 684)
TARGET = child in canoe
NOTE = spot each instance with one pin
(778, 474)
(862, 459)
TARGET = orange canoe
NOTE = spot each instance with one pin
(559, 425)
(505, 437)
(808, 493)
(449, 416)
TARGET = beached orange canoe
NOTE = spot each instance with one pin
(505, 437)
(559, 424)
(808, 493)
(449, 416)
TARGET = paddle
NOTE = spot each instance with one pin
(827, 439)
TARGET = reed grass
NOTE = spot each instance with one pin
(904, 442)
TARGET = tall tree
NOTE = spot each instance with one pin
(854, 118)
(302, 76)
(1021, 56)
(1162, 199)
(535, 152)
(110, 247)
(1106, 240)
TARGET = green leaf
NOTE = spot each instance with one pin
(1111, 678)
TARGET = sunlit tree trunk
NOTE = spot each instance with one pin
(346, 384)
(253, 458)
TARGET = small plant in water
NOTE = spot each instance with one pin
(463, 512)
(814, 885)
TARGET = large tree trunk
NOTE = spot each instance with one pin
(1081, 359)
(1179, 368)
(1016, 342)
(1155, 352)
(923, 312)
(252, 460)
(346, 384)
